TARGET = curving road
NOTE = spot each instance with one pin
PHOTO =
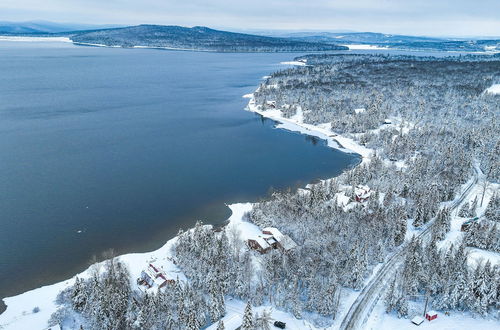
(362, 307)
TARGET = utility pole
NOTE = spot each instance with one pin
(426, 301)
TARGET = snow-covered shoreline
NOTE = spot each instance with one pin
(19, 313)
(321, 131)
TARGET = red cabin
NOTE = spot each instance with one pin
(431, 315)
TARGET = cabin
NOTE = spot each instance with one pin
(153, 276)
(387, 122)
(467, 224)
(362, 193)
(417, 320)
(431, 315)
(271, 238)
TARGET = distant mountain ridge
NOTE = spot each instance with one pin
(44, 27)
(196, 38)
(398, 41)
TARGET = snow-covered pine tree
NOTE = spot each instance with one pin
(464, 210)
(263, 322)
(248, 321)
(412, 270)
(473, 207)
(492, 212)
(79, 295)
(391, 297)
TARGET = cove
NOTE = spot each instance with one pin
(106, 148)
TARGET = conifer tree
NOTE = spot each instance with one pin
(248, 321)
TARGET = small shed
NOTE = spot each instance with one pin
(431, 315)
(417, 320)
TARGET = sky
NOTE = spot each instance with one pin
(412, 17)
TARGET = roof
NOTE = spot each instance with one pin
(288, 243)
(431, 313)
(362, 191)
(417, 320)
(267, 240)
(274, 231)
(261, 241)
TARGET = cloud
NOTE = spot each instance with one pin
(430, 17)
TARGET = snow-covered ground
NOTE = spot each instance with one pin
(234, 316)
(299, 63)
(321, 131)
(380, 320)
(493, 89)
(453, 321)
(20, 315)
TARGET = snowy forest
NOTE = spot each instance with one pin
(429, 122)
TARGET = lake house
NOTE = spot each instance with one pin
(153, 277)
(362, 193)
(271, 238)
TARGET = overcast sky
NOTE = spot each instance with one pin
(416, 17)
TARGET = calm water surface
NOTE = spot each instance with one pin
(113, 148)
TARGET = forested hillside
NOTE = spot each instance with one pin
(196, 38)
(400, 41)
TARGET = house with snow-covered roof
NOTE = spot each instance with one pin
(362, 193)
(271, 238)
(153, 277)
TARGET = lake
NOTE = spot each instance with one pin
(117, 148)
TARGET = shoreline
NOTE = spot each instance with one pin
(322, 131)
(19, 308)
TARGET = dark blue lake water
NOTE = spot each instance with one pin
(113, 148)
